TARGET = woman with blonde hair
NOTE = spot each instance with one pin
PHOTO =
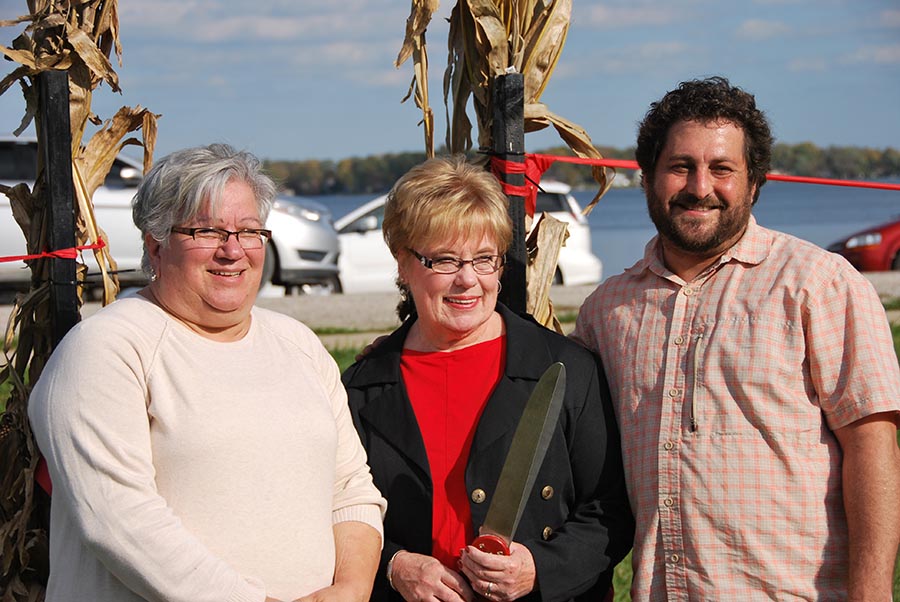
(437, 402)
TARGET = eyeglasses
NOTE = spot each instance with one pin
(485, 264)
(211, 238)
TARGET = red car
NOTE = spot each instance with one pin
(876, 249)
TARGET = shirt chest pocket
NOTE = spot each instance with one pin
(751, 374)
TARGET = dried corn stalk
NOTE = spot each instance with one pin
(414, 45)
(489, 38)
(76, 36)
(543, 246)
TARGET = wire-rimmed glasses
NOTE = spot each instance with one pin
(211, 238)
(483, 264)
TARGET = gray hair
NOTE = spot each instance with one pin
(180, 184)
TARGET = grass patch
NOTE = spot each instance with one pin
(345, 356)
(567, 317)
(891, 304)
(340, 330)
(622, 580)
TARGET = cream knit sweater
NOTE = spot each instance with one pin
(189, 469)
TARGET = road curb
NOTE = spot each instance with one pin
(362, 317)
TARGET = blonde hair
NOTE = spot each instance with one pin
(443, 198)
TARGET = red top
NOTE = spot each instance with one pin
(448, 391)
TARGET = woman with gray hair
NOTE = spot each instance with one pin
(201, 448)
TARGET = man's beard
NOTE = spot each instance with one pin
(733, 221)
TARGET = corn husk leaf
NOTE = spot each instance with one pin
(543, 245)
(98, 155)
(76, 36)
(420, 85)
(90, 54)
(16, 75)
(538, 116)
(457, 89)
(91, 168)
(414, 45)
(543, 44)
(419, 18)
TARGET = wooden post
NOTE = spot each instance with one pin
(56, 148)
(508, 133)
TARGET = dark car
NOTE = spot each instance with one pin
(876, 249)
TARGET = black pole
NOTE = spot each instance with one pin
(56, 148)
(508, 133)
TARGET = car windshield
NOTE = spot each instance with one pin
(551, 202)
(362, 223)
(18, 162)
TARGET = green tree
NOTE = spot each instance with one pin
(375, 174)
(846, 162)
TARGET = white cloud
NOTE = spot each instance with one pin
(355, 37)
(616, 17)
(801, 65)
(760, 29)
(218, 81)
(346, 54)
(260, 28)
(653, 51)
(890, 18)
(878, 55)
(393, 78)
(211, 22)
(161, 13)
(633, 59)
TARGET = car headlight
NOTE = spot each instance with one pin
(301, 211)
(869, 239)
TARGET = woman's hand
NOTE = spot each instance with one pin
(370, 347)
(420, 578)
(499, 578)
(357, 550)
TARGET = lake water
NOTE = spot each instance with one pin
(620, 226)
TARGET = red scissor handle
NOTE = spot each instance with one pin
(491, 544)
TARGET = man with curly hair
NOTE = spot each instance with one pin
(753, 376)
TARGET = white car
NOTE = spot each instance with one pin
(303, 252)
(367, 266)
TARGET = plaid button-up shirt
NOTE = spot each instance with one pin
(727, 389)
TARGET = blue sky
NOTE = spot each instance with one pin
(296, 79)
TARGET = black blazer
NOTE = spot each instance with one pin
(577, 523)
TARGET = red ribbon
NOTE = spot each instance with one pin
(70, 253)
(533, 168)
(832, 182)
(42, 476)
(616, 163)
(536, 164)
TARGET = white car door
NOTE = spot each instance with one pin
(366, 264)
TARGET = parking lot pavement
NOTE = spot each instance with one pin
(375, 314)
(367, 315)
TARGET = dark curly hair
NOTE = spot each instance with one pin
(704, 101)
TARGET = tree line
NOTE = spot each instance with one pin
(375, 174)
